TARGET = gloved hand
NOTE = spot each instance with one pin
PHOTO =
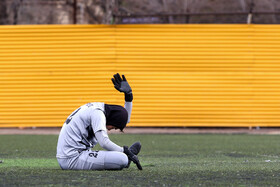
(132, 157)
(122, 85)
(135, 148)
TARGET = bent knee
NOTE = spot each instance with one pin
(123, 160)
(115, 160)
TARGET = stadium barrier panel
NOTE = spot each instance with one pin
(182, 75)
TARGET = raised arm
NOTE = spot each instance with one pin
(122, 85)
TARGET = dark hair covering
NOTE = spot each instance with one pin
(116, 116)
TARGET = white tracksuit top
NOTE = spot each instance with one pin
(84, 128)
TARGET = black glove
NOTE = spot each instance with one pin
(122, 85)
(132, 157)
(135, 148)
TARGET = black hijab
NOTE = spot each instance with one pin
(116, 116)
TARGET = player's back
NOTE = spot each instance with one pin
(76, 133)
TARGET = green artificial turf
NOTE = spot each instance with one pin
(167, 160)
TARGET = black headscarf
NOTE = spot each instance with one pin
(116, 116)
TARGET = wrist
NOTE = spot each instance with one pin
(128, 97)
(125, 149)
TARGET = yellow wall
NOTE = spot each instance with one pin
(181, 75)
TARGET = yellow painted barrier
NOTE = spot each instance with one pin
(181, 75)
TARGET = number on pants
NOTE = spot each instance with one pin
(93, 154)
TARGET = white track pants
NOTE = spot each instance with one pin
(95, 160)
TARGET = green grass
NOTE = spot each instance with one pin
(167, 160)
